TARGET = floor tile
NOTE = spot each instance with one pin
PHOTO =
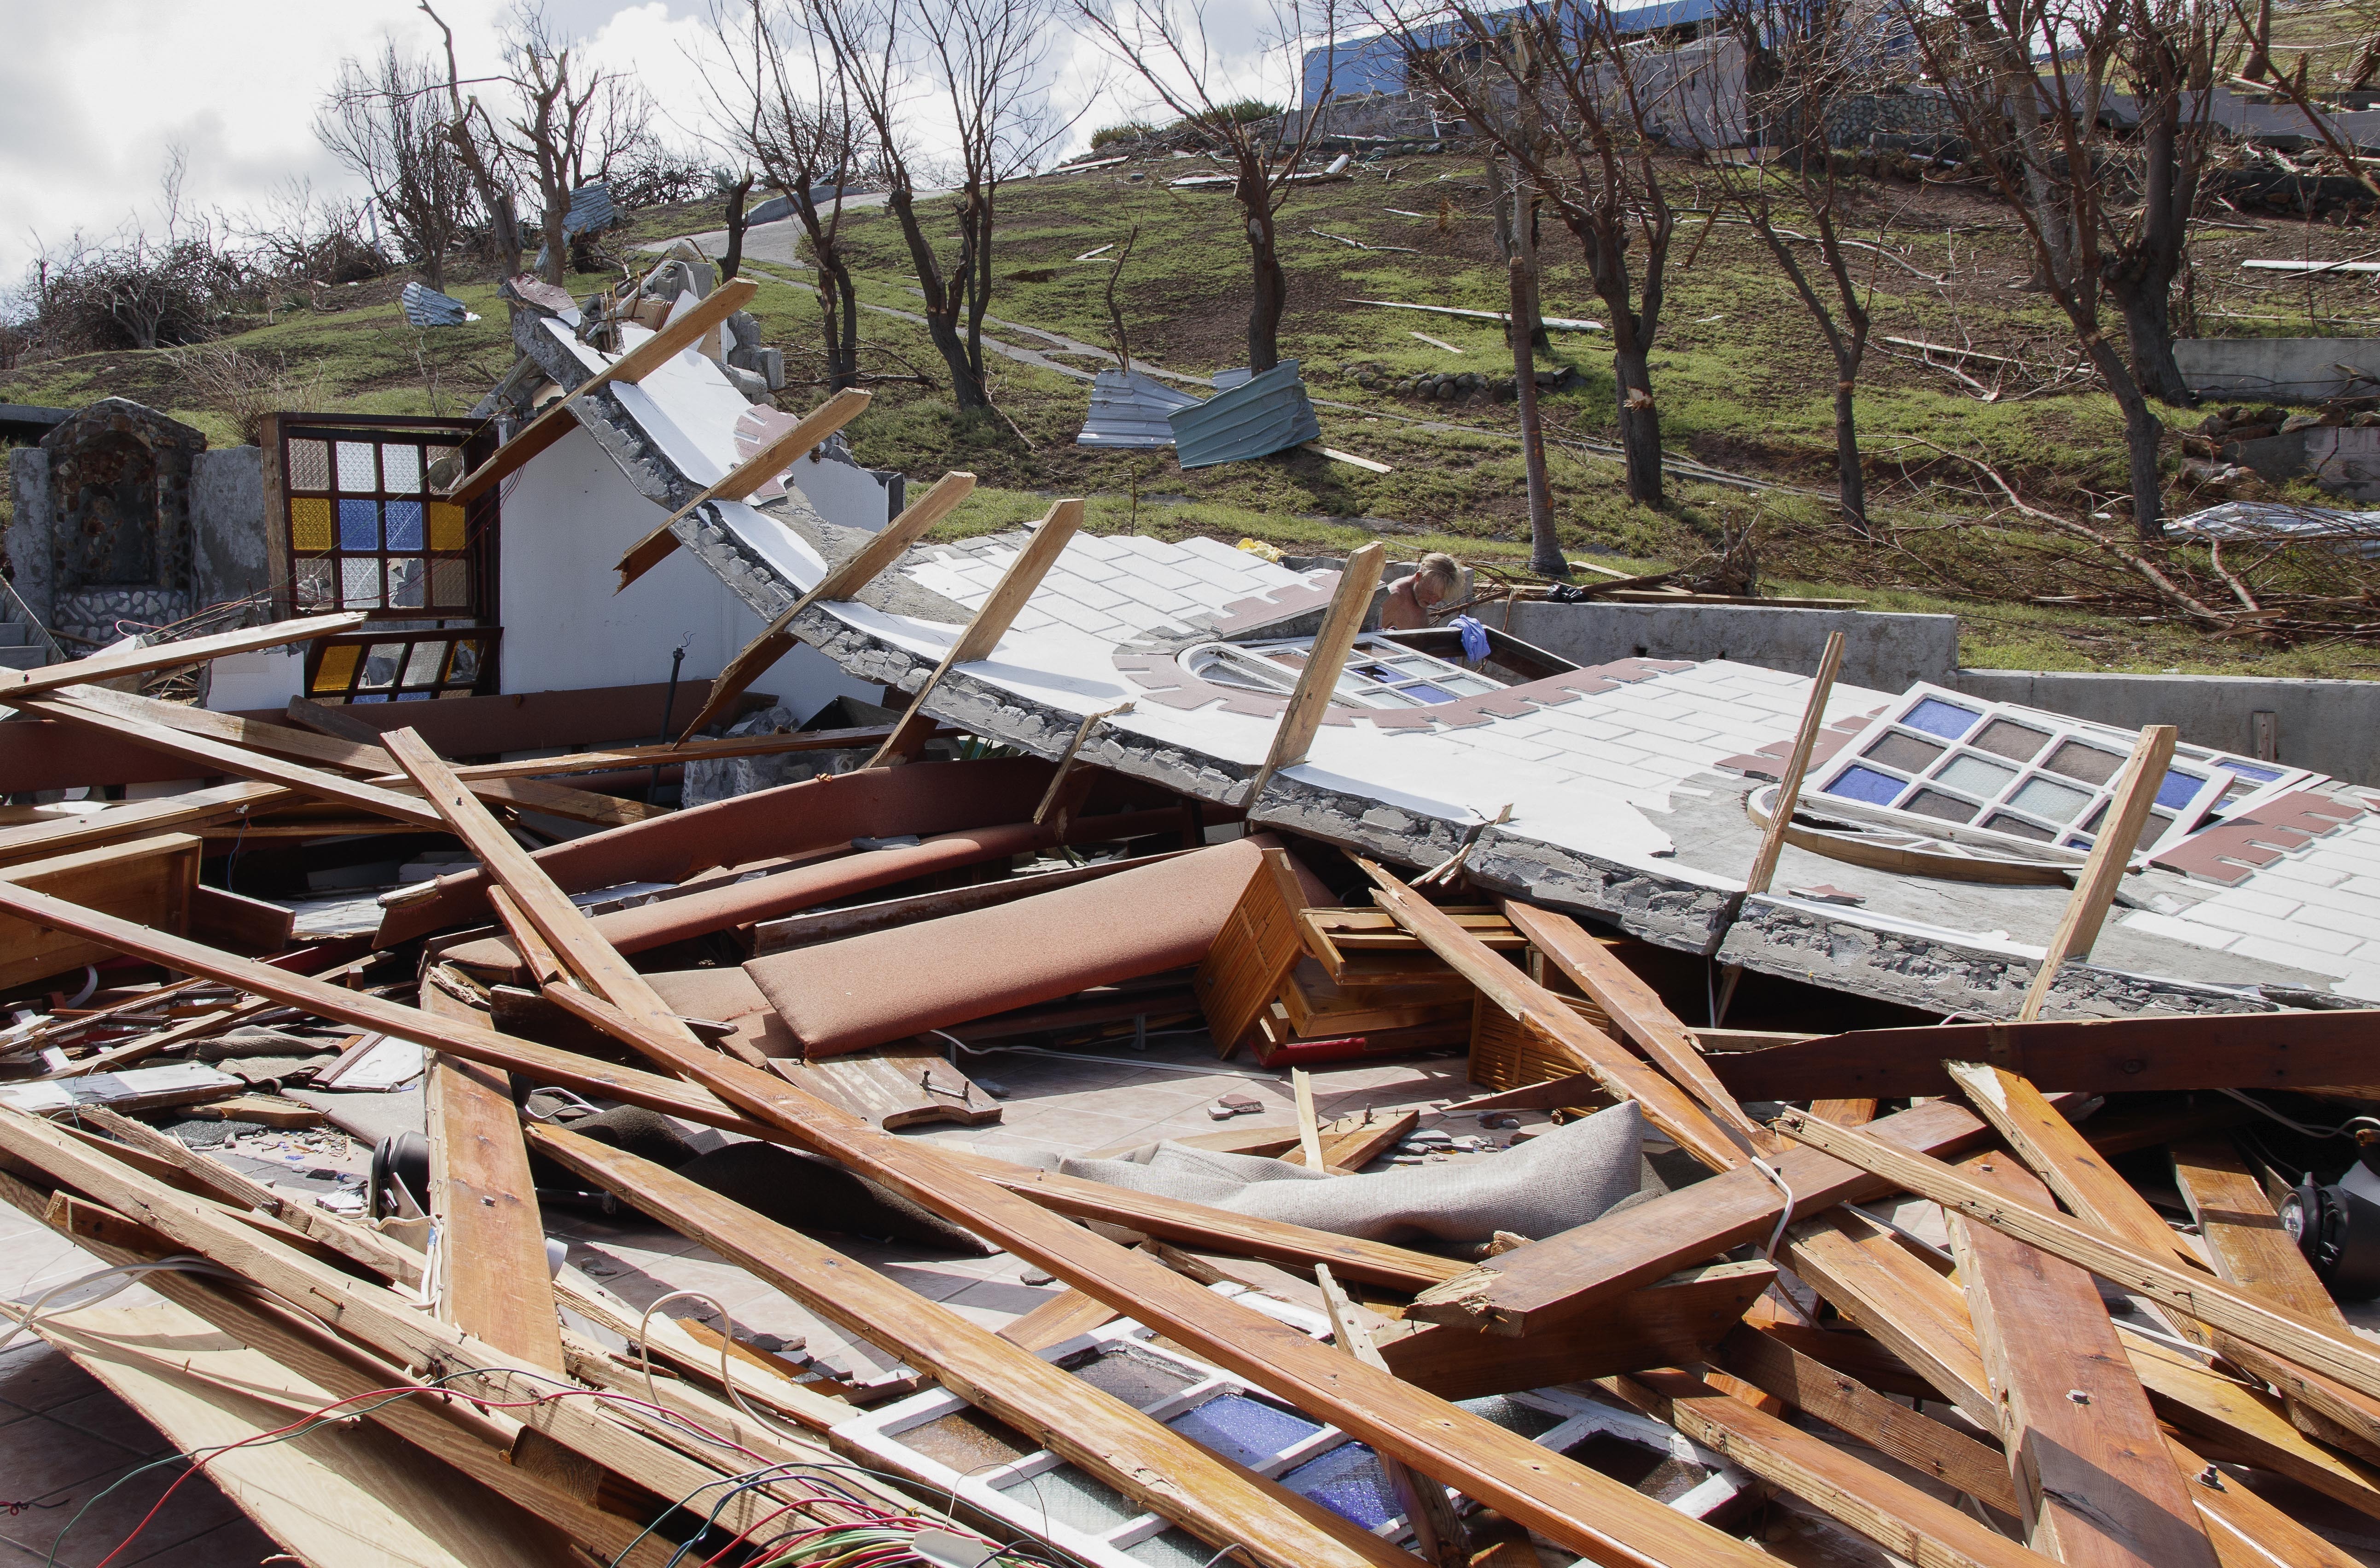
(34, 1377)
(196, 1507)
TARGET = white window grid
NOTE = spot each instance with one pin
(1938, 759)
(1030, 1493)
(1379, 673)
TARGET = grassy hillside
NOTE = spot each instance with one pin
(1741, 377)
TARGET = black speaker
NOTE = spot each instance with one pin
(2338, 1228)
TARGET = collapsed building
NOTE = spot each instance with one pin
(978, 845)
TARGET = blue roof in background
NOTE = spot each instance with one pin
(1375, 62)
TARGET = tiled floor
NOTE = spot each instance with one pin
(65, 1440)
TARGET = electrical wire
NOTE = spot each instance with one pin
(124, 1274)
(2263, 1110)
(726, 1351)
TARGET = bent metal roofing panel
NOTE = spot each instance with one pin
(1626, 783)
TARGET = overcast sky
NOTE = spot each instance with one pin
(93, 92)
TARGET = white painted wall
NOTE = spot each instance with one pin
(568, 517)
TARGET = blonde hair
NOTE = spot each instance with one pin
(1440, 572)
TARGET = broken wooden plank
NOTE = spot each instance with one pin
(1574, 1506)
(774, 458)
(331, 752)
(865, 566)
(1914, 1526)
(112, 663)
(149, 880)
(1195, 1224)
(1670, 1322)
(1317, 678)
(1535, 1287)
(565, 931)
(1064, 1315)
(1149, 1463)
(493, 1275)
(2088, 1459)
(2254, 1253)
(1859, 1412)
(980, 636)
(219, 756)
(1721, 1144)
(2281, 1051)
(557, 419)
(389, 1325)
(1865, 1272)
(2111, 855)
(1629, 1002)
(1439, 1534)
(2060, 1157)
(2284, 1332)
(1309, 1135)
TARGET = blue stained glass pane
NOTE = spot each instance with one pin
(1866, 783)
(374, 697)
(1242, 1429)
(415, 696)
(359, 525)
(2178, 788)
(1428, 693)
(1348, 1482)
(405, 524)
(1936, 717)
(2253, 775)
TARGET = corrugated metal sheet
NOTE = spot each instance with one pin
(1129, 409)
(1261, 416)
(590, 210)
(425, 307)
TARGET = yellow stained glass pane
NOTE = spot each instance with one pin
(337, 670)
(446, 525)
(310, 524)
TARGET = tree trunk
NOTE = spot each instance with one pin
(1268, 285)
(557, 248)
(942, 305)
(1545, 544)
(1851, 478)
(842, 331)
(2141, 276)
(1640, 424)
(733, 260)
(2143, 433)
(2149, 330)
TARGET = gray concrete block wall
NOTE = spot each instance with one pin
(29, 531)
(2330, 727)
(1889, 651)
(2278, 370)
(227, 534)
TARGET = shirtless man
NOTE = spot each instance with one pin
(1408, 605)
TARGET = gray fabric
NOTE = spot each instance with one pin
(1550, 1183)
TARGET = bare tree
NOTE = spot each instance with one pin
(1800, 60)
(2107, 219)
(1165, 42)
(472, 133)
(1598, 99)
(380, 121)
(570, 121)
(989, 59)
(792, 118)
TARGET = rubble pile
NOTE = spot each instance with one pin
(1121, 1060)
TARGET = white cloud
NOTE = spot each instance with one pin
(93, 94)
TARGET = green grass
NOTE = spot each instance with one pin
(1740, 373)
